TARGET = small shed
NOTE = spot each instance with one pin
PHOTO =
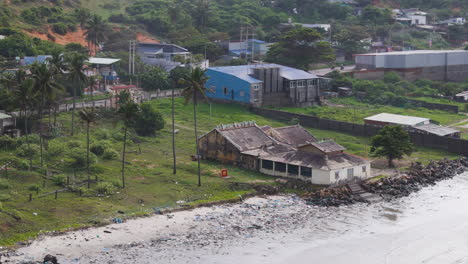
(6, 121)
(105, 67)
(384, 119)
(345, 91)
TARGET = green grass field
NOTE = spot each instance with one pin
(350, 110)
(461, 106)
(150, 182)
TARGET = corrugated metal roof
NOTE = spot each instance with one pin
(242, 72)
(410, 52)
(4, 116)
(246, 138)
(103, 61)
(292, 135)
(328, 146)
(397, 119)
(437, 130)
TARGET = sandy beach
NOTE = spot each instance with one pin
(429, 226)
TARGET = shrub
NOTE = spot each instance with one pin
(76, 158)
(27, 152)
(465, 108)
(60, 28)
(7, 142)
(4, 185)
(105, 188)
(117, 135)
(4, 197)
(103, 134)
(34, 188)
(15, 162)
(59, 180)
(33, 139)
(56, 148)
(74, 144)
(99, 147)
(148, 121)
(110, 154)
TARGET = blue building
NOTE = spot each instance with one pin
(263, 84)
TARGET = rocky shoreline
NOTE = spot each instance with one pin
(415, 178)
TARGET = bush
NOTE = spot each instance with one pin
(99, 147)
(34, 188)
(118, 135)
(465, 108)
(15, 162)
(110, 154)
(60, 28)
(74, 144)
(148, 121)
(4, 197)
(7, 142)
(4, 184)
(59, 180)
(76, 158)
(103, 134)
(33, 138)
(27, 152)
(106, 188)
(56, 148)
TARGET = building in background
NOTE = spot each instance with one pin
(167, 56)
(412, 123)
(437, 65)
(31, 60)
(7, 124)
(263, 85)
(411, 16)
(290, 152)
(251, 47)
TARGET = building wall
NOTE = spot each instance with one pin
(343, 174)
(417, 19)
(237, 90)
(214, 146)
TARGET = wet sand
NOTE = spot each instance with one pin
(430, 226)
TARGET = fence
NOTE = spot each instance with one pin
(454, 145)
(444, 107)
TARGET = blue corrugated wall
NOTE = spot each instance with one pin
(218, 81)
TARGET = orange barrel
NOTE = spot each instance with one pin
(224, 173)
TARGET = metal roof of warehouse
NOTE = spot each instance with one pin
(103, 61)
(410, 52)
(242, 72)
(397, 119)
(437, 130)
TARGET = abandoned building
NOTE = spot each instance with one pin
(436, 65)
(7, 124)
(290, 152)
(263, 85)
(412, 123)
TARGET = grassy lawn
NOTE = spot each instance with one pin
(461, 106)
(150, 182)
(107, 8)
(351, 110)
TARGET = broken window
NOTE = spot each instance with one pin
(337, 175)
(306, 172)
(279, 166)
(350, 173)
(293, 169)
(364, 168)
(267, 164)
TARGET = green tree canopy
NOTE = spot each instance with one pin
(154, 78)
(148, 121)
(392, 142)
(299, 48)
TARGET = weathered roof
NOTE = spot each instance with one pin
(437, 130)
(397, 119)
(247, 137)
(327, 146)
(103, 61)
(4, 116)
(243, 72)
(311, 160)
(292, 135)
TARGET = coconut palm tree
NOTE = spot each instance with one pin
(26, 97)
(95, 31)
(56, 61)
(91, 81)
(46, 84)
(194, 88)
(75, 65)
(128, 111)
(88, 116)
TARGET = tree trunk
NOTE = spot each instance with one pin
(41, 111)
(73, 112)
(173, 133)
(27, 138)
(123, 157)
(87, 154)
(196, 134)
(390, 163)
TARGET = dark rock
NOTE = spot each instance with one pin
(50, 259)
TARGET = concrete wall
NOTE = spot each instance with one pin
(456, 73)
(343, 174)
(454, 145)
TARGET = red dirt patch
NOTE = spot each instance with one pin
(145, 38)
(70, 37)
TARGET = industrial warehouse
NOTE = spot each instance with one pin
(290, 152)
(436, 65)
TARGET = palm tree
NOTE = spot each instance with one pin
(91, 81)
(95, 31)
(128, 111)
(56, 61)
(88, 116)
(174, 169)
(194, 87)
(44, 83)
(76, 62)
(26, 96)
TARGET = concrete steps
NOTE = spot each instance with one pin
(358, 190)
